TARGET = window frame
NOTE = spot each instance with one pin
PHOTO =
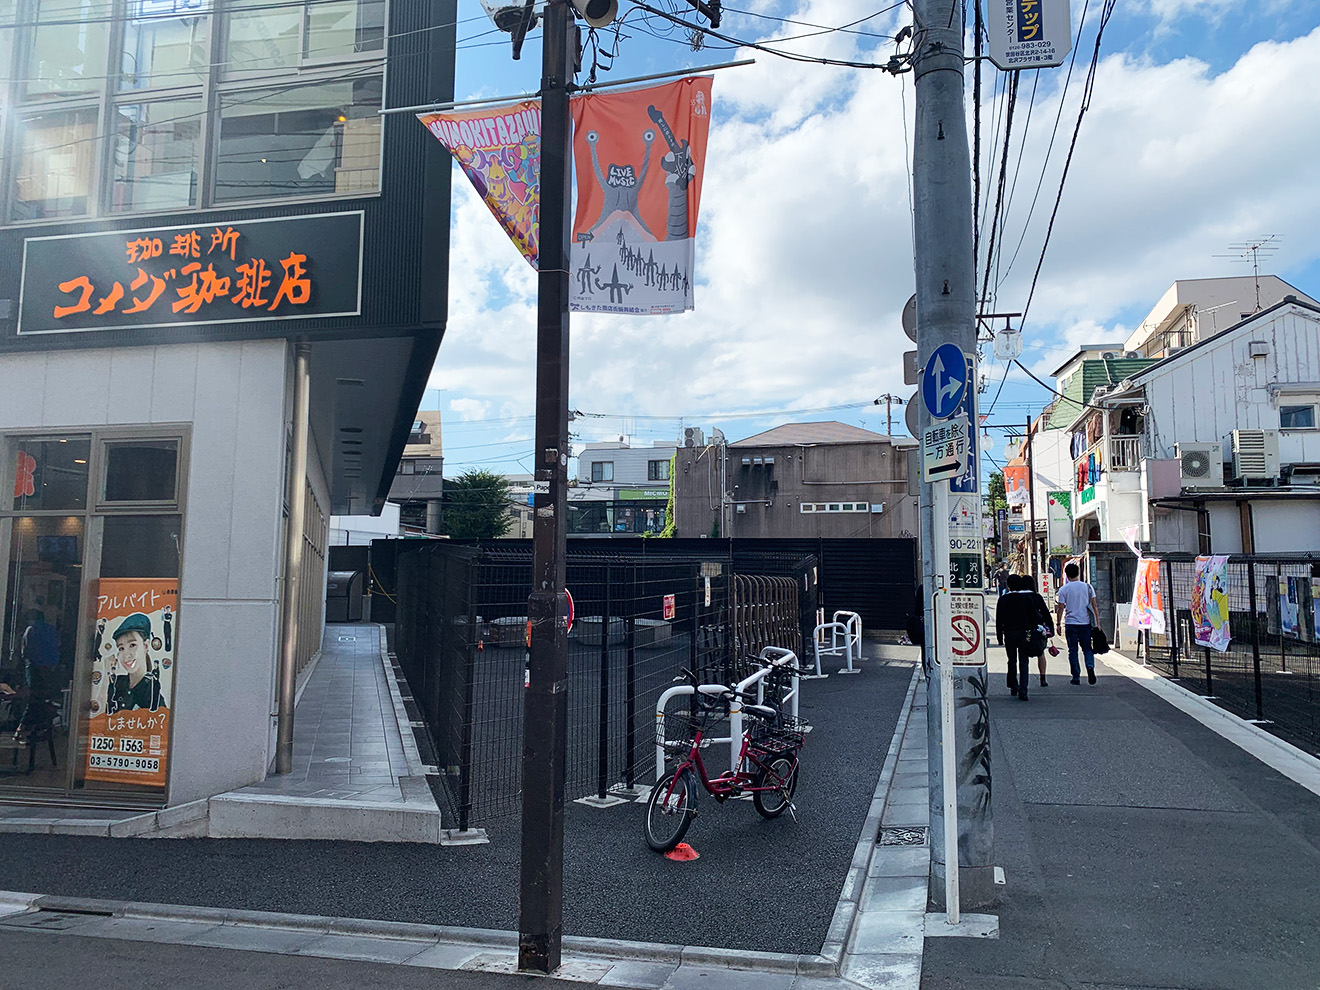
(598, 476)
(1300, 403)
(654, 470)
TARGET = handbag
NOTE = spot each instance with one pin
(1099, 641)
(1036, 640)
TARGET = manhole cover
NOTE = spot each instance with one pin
(902, 837)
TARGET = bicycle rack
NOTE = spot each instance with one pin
(775, 657)
(845, 634)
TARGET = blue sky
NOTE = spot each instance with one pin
(1201, 133)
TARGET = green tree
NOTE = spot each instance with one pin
(995, 493)
(476, 506)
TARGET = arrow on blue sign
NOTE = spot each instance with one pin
(944, 382)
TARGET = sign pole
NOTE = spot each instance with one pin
(948, 730)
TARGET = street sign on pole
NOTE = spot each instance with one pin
(943, 450)
(967, 628)
(1028, 34)
(944, 382)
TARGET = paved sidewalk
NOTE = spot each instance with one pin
(1141, 850)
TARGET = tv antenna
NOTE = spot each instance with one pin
(1252, 251)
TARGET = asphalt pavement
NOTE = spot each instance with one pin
(1141, 850)
(759, 885)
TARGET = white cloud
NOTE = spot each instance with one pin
(805, 241)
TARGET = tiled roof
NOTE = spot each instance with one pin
(1082, 385)
(791, 434)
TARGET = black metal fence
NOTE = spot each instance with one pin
(1271, 671)
(460, 640)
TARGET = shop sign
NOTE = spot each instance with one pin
(638, 494)
(248, 271)
(1088, 494)
(128, 734)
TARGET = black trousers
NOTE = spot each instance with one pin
(1015, 645)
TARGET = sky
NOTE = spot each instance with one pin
(1200, 133)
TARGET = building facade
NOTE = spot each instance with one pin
(621, 490)
(797, 480)
(222, 288)
(419, 486)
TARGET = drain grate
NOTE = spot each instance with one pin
(901, 837)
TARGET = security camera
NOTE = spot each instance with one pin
(597, 13)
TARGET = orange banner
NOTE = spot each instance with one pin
(639, 156)
(132, 679)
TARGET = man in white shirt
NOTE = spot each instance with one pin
(1074, 610)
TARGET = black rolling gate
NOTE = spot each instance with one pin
(1271, 671)
(460, 628)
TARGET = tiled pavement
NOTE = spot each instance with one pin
(347, 741)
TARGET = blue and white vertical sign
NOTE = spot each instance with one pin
(969, 482)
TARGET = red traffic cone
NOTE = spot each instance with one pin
(682, 853)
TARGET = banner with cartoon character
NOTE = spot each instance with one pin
(133, 647)
(1147, 599)
(499, 150)
(639, 156)
(1210, 603)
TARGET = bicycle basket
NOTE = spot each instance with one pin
(679, 727)
(785, 733)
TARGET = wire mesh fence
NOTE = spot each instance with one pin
(1270, 671)
(461, 640)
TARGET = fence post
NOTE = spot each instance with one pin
(603, 730)
(1209, 683)
(1283, 638)
(1255, 638)
(1174, 645)
(630, 767)
(469, 686)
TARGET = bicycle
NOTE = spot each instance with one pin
(767, 767)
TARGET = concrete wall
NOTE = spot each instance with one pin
(1285, 526)
(232, 395)
(772, 498)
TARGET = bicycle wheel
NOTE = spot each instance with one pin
(669, 812)
(773, 803)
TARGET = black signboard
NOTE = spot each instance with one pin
(247, 271)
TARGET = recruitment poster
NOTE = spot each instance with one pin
(639, 156)
(499, 150)
(136, 634)
(1147, 599)
(1210, 626)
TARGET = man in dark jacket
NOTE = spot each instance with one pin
(1019, 613)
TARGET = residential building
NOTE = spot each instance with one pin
(797, 480)
(1194, 309)
(620, 490)
(418, 487)
(223, 284)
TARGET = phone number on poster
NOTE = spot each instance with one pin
(137, 764)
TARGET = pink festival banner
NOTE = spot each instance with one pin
(499, 150)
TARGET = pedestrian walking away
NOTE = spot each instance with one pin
(1074, 609)
(1039, 639)
(1021, 622)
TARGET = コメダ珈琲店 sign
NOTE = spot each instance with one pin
(214, 272)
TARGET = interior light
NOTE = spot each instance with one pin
(342, 118)
(79, 460)
(263, 161)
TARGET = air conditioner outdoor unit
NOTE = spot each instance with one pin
(693, 437)
(1201, 465)
(1108, 355)
(1255, 454)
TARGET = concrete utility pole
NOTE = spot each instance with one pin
(946, 313)
(890, 401)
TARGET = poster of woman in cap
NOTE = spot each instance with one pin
(132, 679)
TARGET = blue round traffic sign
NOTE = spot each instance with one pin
(944, 382)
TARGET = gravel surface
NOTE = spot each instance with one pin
(759, 885)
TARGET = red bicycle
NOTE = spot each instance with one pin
(767, 767)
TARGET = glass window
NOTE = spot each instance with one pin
(602, 470)
(317, 139)
(157, 155)
(166, 43)
(39, 641)
(48, 473)
(141, 546)
(55, 164)
(1297, 417)
(69, 48)
(657, 470)
(8, 14)
(344, 27)
(141, 471)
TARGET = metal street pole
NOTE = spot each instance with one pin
(1031, 501)
(545, 700)
(946, 313)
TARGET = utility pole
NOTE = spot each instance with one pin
(545, 700)
(1031, 502)
(946, 313)
(890, 401)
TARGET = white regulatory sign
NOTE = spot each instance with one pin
(944, 450)
(967, 622)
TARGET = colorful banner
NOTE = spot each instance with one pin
(499, 150)
(639, 156)
(1060, 519)
(1147, 599)
(1210, 603)
(137, 622)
